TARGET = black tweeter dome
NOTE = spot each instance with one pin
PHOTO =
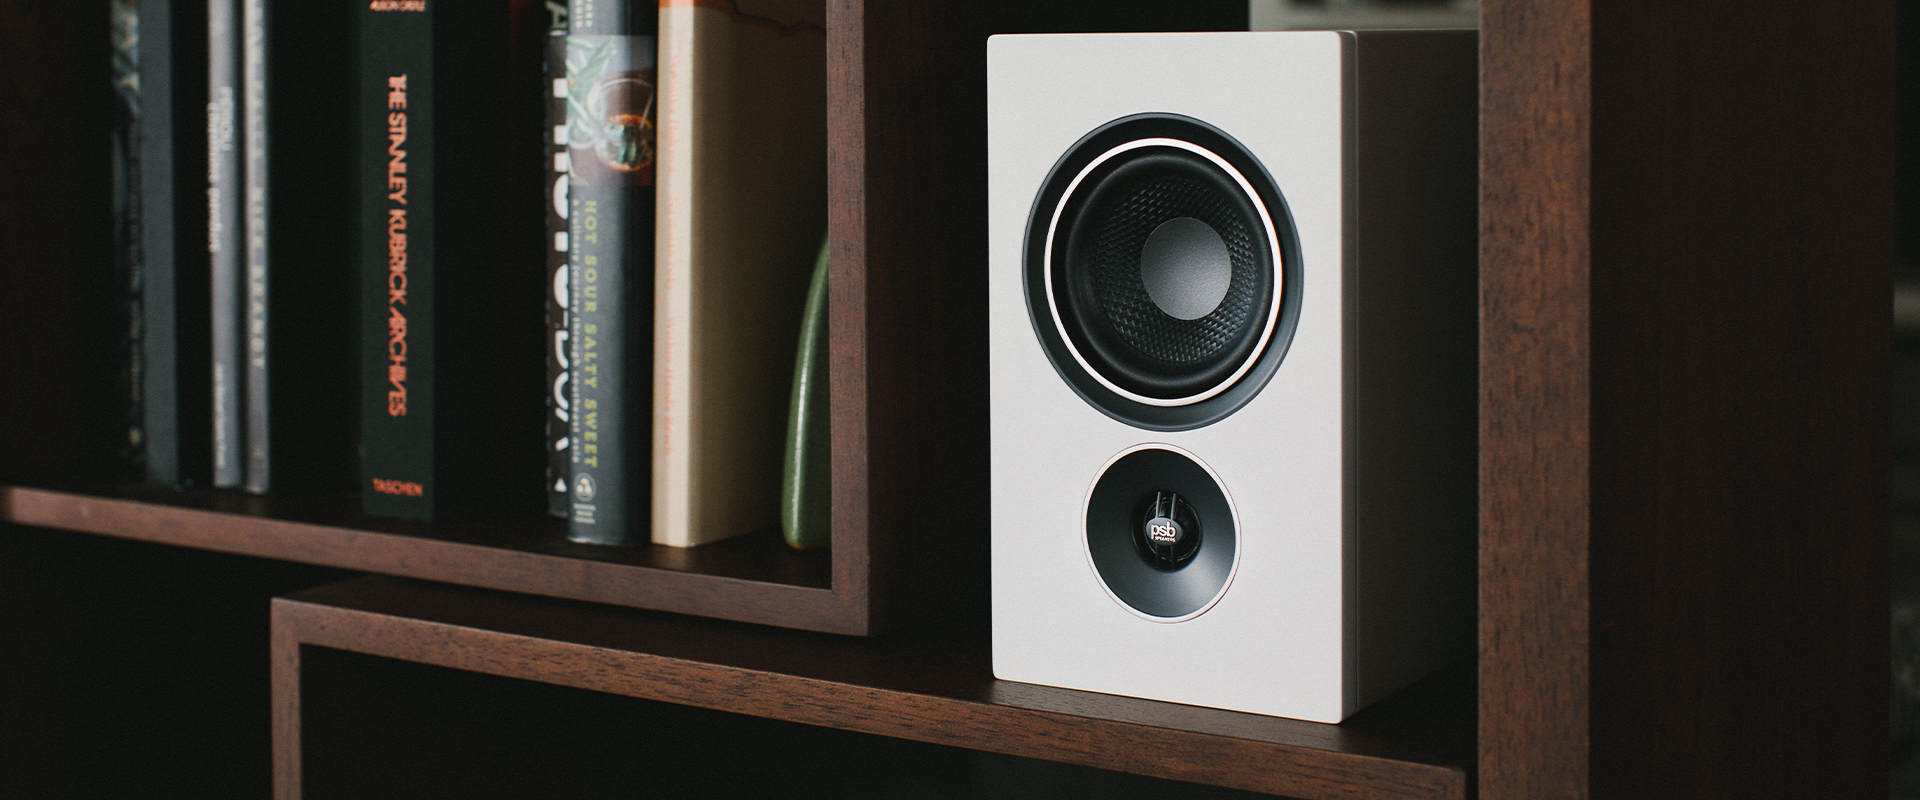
(1161, 533)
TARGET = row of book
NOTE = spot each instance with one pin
(328, 241)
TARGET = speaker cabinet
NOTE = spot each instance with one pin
(1232, 344)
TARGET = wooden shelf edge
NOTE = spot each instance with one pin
(785, 605)
(860, 691)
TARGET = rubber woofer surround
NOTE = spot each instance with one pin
(1103, 330)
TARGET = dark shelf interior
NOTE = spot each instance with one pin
(932, 685)
(135, 669)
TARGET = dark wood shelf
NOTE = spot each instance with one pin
(930, 686)
(755, 578)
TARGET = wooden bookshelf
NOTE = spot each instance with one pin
(1686, 234)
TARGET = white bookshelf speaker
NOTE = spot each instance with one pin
(1232, 346)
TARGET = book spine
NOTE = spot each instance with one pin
(174, 291)
(395, 113)
(741, 219)
(555, 88)
(673, 410)
(610, 139)
(256, 394)
(124, 36)
(224, 246)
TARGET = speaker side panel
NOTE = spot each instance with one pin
(1414, 355)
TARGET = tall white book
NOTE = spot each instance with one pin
(741, 211)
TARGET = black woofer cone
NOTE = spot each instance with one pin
(1162, 271)
(1105, 305)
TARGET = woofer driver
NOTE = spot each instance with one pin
(1162, 271)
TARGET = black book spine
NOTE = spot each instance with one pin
(124, 33)
(611, 111)
(173, 286)
(255, 394)
(447, 117)
(224, 240)
(397, 207)
(555, 196)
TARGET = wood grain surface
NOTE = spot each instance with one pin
(1535, 393)
(1686, 247)
(754, 578)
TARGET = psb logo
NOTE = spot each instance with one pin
(1162, 532)
(583, 489)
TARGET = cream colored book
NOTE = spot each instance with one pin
(741, 209)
